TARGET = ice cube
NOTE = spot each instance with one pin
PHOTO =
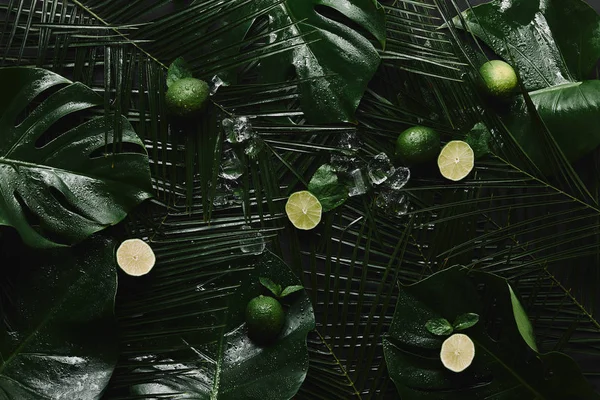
(359, 185)
(399, 178)
(379, 169)
(253, 242)
(237, 129)
(215, 83)
(392, 203)
(231, 166)
(254, 146)
(349, 143)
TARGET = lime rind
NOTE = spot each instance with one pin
(499, 78)
(187, 96)
(417, 145)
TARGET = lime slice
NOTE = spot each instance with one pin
(135, 257)
(456, 160)
(304, 210)
(458, 352)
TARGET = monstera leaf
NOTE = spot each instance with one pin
(58, 336)
(552, 42)
(334, 61)
(323, 49)
(570, 111)
(506, 364)
(57, 186)
(216, 359)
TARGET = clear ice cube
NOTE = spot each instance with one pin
(359, 185)
(399, 178)
(231, 166)
(254, 146)
(379, 169)
(253, 242)
(392, 203)
(237, 129)
(215, 83)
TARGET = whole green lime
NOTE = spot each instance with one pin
(265, 318)
(418, 145)
(187, 96)
(499, 78)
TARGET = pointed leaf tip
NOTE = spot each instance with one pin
(272, 286)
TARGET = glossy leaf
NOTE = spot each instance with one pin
(523, 323)
(59, 189)
(479, 138)
(552, 42)
(222, 362)
(439, 326)
(272, 286)
(59, 339)
(327, 188)
(291, 289)
(466, 321)
(333, 60)
(504, 366)
(178, 69)
(571, 112)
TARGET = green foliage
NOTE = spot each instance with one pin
(59, 336)
(551, 64)
(570, 111)
(523, 324)
(504, 218)
(60, 184)
(178, 69)
(439, 326)
(465, 321)
(272, 286)
(291, 289)
(327, 188)
(551, 42)
(211, 349)
(479, 138)
(504, 367)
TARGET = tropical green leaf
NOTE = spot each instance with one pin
(504, 366)
(552, 42)
(327, 188)
(60, 184)
(439, 326)
(523, 323)
(570, 111)
(177, 70)
(324, 46)
(479, 138)
(272, 286)
(335, 61)
(465, 321)
(59, 336)
(219, 361)
(291, 289)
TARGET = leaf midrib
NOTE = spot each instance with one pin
(13, 162)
